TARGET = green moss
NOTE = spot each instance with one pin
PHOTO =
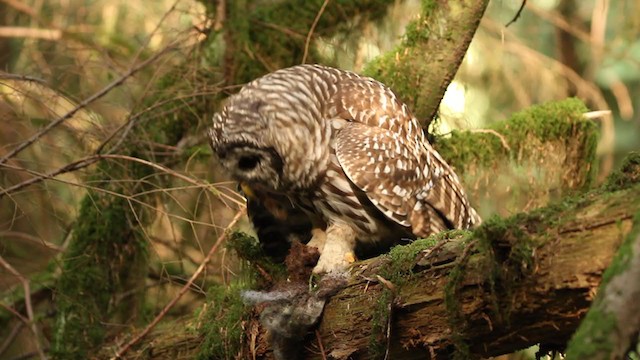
(248, 248)
(398, 269)
(594, 334)
(508, 260)
(222, 323)
(108, 252)
(402, 258)
(506, 263)
(379, 324)
(105, 257)
(552, 121)
(627, 175)
(271, 35)
(454, 309)
(624, 254)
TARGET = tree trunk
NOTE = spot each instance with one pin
(421, 68)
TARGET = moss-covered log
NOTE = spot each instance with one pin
(612, 325)
(507, 285)
(423, 65)
(533, 285)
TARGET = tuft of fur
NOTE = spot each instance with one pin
(292, 310)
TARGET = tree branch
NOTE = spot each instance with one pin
(503, 301)
(421, 68)
(528, 279)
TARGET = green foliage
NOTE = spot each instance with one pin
(266, 36)
(222, 325)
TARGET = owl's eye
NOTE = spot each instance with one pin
(249, 162)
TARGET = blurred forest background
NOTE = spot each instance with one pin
(84, 86)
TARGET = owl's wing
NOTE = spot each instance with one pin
(377, 150)
(384, 166)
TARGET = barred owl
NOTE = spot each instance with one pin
(347, 152)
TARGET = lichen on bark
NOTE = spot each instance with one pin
(424, 63)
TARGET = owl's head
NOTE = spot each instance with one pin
(240, 138)
(272, 133)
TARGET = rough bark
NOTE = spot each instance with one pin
(525, 280)
(423, 65)
(612, 325)
(543, 306)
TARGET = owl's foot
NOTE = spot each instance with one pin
(338, 250)
(318, 238)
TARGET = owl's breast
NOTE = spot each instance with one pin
(335, 199)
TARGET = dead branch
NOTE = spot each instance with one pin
(86, 102)
(313, 27)
(30, 320)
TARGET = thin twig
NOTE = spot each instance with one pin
(105, 90)
(517, 16)
(211, 187)
(7, 76)
(31, 238)
(596, 114)
(27, 304)
(87, 161)
(28, 32)
(22, 7)
(7, 342)
(497, 134)
(76, 165)
(313, 27)
(319, 338)
(120, 352)
(15, 313)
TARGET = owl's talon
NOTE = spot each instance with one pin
(318, 238)
(337, 253)
(350, 257)
(330, 264)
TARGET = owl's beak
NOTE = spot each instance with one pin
(246, 190)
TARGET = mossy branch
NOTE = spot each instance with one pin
(529, 280)
(507, 285)
(423, 65)
(612, 325)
